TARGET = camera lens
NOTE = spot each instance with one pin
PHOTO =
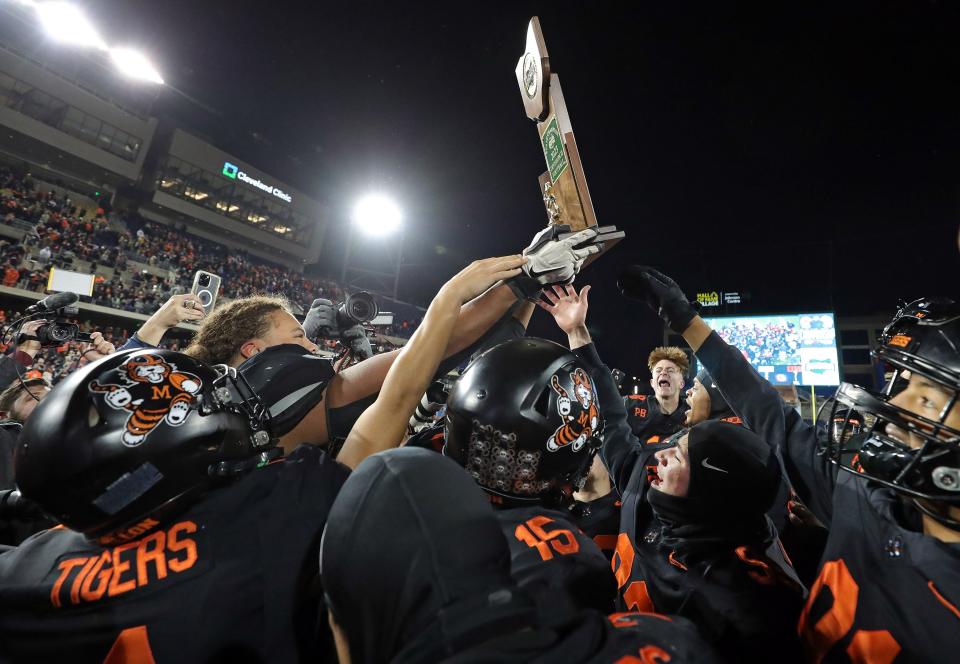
(60, 333)
(204, 280)
(361, 307)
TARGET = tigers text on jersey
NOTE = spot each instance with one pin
(226, 576)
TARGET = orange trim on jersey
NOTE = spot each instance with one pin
(783, 550)
(943, 600)
(131, 647)
(675, 562)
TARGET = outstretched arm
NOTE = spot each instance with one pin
(751, 396)
(621, 449)
(384, 423)
(178, 309)
(549, 260)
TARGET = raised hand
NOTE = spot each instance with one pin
(31, 346)
(568, 308)
(660, 293)
(553, 260)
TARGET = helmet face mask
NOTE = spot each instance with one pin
(137, 434)
(523, 420)
(916, 455)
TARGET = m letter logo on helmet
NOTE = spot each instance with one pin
(152, 391)
(580, 427)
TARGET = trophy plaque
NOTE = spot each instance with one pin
(563, 185)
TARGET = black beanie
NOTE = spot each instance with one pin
(719, 408)
(731, 467)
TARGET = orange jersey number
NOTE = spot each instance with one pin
(875, 646)
(533, 534)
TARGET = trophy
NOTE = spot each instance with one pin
(563, 185)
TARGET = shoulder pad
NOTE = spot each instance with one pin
(290, 380)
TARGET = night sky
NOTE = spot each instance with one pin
(806, 153)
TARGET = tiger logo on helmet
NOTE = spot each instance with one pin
(153, 392)
(576, 429)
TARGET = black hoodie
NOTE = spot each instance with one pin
(415, 569)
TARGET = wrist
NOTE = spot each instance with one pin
(578, 336)
(30, 348)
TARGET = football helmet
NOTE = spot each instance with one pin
(136, 434)
(914, 453)
(524, 420)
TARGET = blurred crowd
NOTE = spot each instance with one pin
(139, 264)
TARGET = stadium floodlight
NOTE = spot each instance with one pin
(134, 64)
(66, 23)
(376, 215)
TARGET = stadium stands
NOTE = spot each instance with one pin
(138, 264)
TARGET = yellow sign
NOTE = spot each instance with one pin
(711, 299)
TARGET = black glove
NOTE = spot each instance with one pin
(660, 292)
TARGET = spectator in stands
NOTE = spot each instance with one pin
(10, 276)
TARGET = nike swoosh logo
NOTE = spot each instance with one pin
(706, 464)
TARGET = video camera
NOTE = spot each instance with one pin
(60, 330)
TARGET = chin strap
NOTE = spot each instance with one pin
(233, 468)
(952, 524)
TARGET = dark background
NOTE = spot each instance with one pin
(803, 152)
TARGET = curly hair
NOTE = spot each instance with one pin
(221, 335)
(672, 353)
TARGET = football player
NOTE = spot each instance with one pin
(682, 549)
(186, 537)
(523, 419)
(889, 583)
(653, 420)
(420, 573)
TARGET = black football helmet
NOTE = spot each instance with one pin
(523, 419)
(923, 340)
(136, 434)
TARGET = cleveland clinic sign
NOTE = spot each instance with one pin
(233, 172)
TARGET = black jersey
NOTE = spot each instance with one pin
(592, 638)
(885, 591)
(547, 548)
(600, 520)
(647, 420)
(226, 579)
(744, 600)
